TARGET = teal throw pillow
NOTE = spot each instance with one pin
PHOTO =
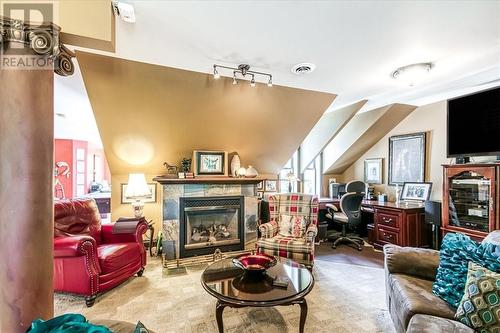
(456, 252)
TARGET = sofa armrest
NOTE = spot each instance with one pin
(135, 236)
(311, 232)
(74, 246)
(411, 261)
(269, 229)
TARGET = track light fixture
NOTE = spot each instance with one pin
(216, 73)
(243, 71)
(252, 82)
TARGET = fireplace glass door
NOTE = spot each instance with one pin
(211, 226)
(211, 223)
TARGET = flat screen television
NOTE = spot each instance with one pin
(474, 124)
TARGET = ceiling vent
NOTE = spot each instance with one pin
(303, 68)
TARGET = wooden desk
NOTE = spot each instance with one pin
(394, 223)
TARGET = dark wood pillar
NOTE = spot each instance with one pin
(26, 177)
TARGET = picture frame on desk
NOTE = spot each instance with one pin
(416, 191)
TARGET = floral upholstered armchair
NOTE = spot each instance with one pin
(292, 227)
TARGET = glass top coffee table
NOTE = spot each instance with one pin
(232, 287)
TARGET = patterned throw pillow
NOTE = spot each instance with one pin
(299, 225)
(456, 252)
(292, 226)
(480, 306)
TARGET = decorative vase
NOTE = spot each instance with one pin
(241, 172)
(251, 172)
(235, 165)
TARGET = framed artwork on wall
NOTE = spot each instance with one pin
(271, 185)
(407, 158)
(151, 198)
(374, 170)
(210, 163)
(416, 191)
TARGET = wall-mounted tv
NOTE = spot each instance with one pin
(474, 124)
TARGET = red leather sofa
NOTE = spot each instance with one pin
(88, 257)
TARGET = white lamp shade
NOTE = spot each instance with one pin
(137, 186)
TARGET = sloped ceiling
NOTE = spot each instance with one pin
(324, 131)
(362, 132)
(148, 114)
(85, 23)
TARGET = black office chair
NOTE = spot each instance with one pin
(350, 204)
(356, 186)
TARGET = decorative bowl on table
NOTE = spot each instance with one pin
(254, 263)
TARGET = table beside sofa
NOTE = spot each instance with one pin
(410, 274)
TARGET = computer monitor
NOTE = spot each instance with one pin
(337, 190)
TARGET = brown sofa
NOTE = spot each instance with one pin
(410, 273)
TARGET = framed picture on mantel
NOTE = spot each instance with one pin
(407, 158)
(210, 163)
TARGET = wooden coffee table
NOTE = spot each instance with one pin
(232, 287)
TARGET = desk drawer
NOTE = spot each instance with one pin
(388, 236)
(388, 218)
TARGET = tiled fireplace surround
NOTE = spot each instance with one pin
(171, 207)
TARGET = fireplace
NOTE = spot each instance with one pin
(210, 223)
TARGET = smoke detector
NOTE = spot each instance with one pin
(303, 68)
(125, 11)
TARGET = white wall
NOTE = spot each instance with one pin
(429, 118)
(74, 118)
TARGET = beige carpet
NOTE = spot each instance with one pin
(345, 298)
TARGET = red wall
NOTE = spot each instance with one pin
(66, 151)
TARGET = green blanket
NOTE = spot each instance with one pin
(68, 323)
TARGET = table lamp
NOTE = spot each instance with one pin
(137, 189)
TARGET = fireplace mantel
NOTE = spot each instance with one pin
(176, 190)
(207, 180)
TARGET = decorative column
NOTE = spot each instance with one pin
(29, 56)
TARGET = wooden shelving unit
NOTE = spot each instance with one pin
(471, 199)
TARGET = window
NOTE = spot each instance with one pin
(312, 177)
(289, 171)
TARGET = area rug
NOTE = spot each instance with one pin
(345, 298)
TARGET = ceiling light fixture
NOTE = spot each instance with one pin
(243, 71)
(413, 73)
